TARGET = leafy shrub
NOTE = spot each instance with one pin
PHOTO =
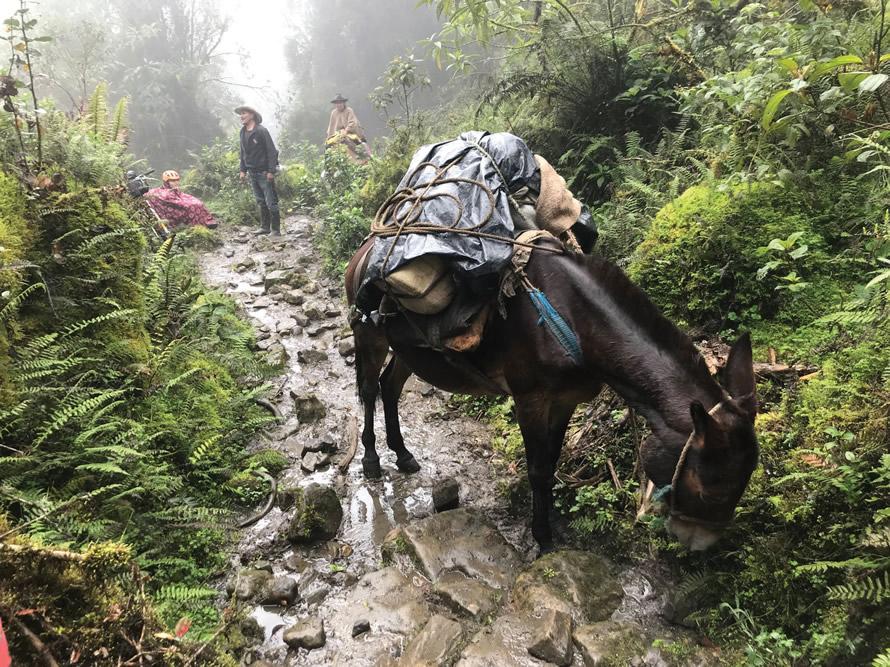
(701, 256)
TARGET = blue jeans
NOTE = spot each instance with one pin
(263, 190)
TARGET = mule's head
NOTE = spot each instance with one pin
(704, 486)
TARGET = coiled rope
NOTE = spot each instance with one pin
(389, 222)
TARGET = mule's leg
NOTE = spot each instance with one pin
(543, 423)
(370, 355)
(391, 384)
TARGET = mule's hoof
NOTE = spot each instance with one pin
(371, 469)
(545, 548)
(408, 465)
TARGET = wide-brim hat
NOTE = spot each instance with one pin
(256, 114)
(339, 98)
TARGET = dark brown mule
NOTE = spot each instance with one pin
(627, 344)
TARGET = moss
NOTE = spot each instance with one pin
(198, 237)
(700, 257)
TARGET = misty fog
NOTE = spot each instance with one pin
(185, 64)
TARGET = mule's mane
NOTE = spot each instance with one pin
(645, 314)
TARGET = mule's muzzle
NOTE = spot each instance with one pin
(693, 534)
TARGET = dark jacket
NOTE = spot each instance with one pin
(258, 152)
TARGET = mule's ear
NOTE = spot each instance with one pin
(700, 418)
(739, 373)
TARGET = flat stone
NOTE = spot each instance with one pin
(388, 600)
(552, 639)
(312, 356)
(276, 277)
(245, 264)
(262, 302)
(465, 541)
(262, 565)
(276, 355)
(446, 495)
(325, 443)
(301, 320)
(309, 462)
(610, 644)
(346, 347)
(332, 311)
(308, 633)
(313, 588)
(437, 644)
(360, 627)
(296, 563)
(502, 644)
(313, 313)
(466, 595)
(286, 326)
(293, 298)
(577, 583)
(308, 408)
(248, 584)
(280, 590)
(311, 288)
(317, 515)
(230, 253)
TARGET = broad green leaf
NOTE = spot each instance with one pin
(872, 82)
(776, 244)
(797, 253)
(851, 80)
(772, 107)
(789, 63)
(822, 68)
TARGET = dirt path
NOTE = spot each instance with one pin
(431, 588)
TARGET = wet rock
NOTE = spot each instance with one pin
(308, 408)
(293, 298)
(252, 630)
(308, 634)
(325, 443)
(230, 253)
(280, 590)
(360, 627)
(296, 563)
(310, 461)
(276, 278)
(313, 588)
(346, 347)
(245, 264)
(578, 583)
(262, 565)
(465, 541)
(467, 595)
(315, 332)
(311, 288)
(313, 314)
(248, 584)
(276, 355)
(262, 302)
(301, 320)
(317, 515)
(427, 390)
(241, 239)
(437, 644)
(286, 326)
(610, 644)
(312, 356)
(502, 644)
(331, 311)
(391, 602)
(446, 495)
(552, 639)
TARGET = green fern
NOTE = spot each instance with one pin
(870, 589)
(96, 119)
(181, 593)
(118, 128)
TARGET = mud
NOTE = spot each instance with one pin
(345, 582)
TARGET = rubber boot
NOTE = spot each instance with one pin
(276, 223)
(265, 217)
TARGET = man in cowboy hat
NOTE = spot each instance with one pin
(343, 119)
(259, 162)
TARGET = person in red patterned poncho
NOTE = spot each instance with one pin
(177, 207)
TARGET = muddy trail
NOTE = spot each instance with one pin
(435, 568)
